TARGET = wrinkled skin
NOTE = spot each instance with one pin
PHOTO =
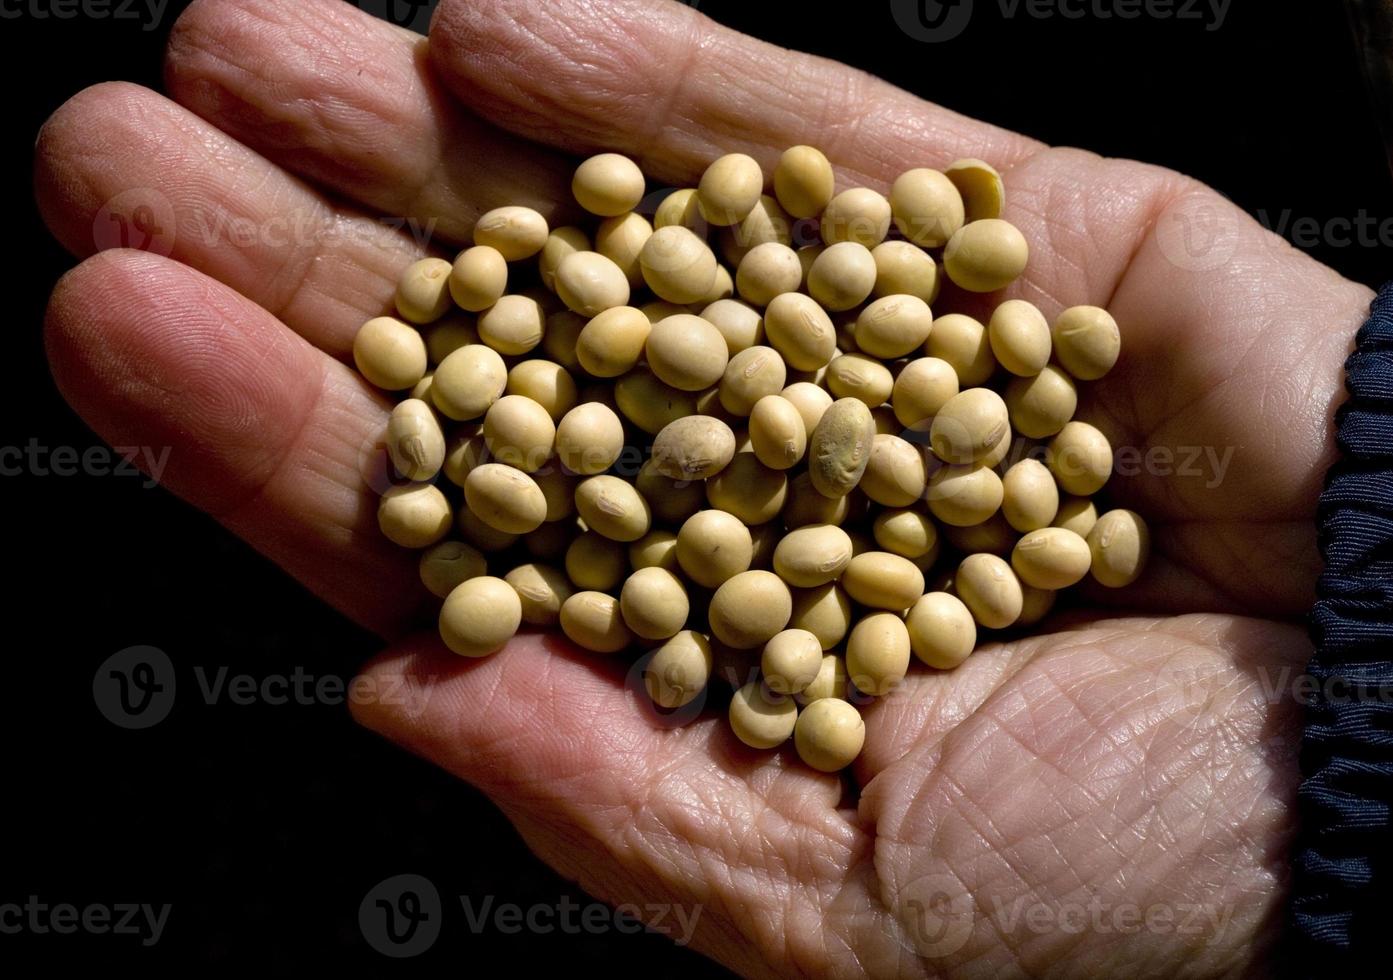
(1135, 757)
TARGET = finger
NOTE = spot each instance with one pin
(245, 419)
(121, 153)
(669, 86)
(336, 95)
(638, 812)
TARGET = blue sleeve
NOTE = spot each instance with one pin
(1341, 892)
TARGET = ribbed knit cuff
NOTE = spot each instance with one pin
(1341, 892)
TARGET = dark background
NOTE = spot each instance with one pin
(264, 826)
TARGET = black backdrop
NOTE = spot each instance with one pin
(263, 826)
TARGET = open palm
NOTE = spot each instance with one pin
(1134, 758)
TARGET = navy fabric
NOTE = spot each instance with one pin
(1341, 892)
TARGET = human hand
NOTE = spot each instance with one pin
(1134, 754)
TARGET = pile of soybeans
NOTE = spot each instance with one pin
(733, 433)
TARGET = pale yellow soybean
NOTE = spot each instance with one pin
(611, 343)
(656, 549)
(803, 181)
(672, 501)
(487, 539)
(559, 338)
(505, 498)
(981, 187)
(923, 387)
(389, 353)
(558, 488)
(896, 475)
(1080, 457)
(814, 555)
(969, 425)
(829, 734)
(1051, 558)
(713, 546)
(810, 400)
(824, 611)
(414, 440)
(760, 718)
(592, 621)
(765, 538)
(942, 632)
(1120, 544)
(990, 589)
(679, 670)
(805, 505)
(800, 330)
(893, 326)
(480, 616)
(449, 334)
(423, 292)
(649, 403)
(596, 562)
(447, 564)
(613, 507)
(729, 188)
(791, 661)
(1020, 337)
(902, 268)
(468, 382)
(680, 208)
(1042, 405)
(928, 208)
(722, 287)
(964, 495)
(752, 374)
(840, 447)
(858, 215)
(807, 255)
(777, 434)
(1077, 514)
(766, 222)
(740, 324)
(1036, 604)
(962, 342)
(747, 488)
(516, 232)
(589, 438)
(414, 515)
(907, 532)
(654, 603)
(861, 377)
(478, 278)
(546, 383)
(542, 590)
(677, 265)
(693, 448)
(877, 653)
(767, 270)
(1087, 341)
(561, 242)
(749, 608)
(842, 276)
(621, 240)
(883, 580)
(513, 325)
(519, 432)
(590, 283)
(986, 255)
(1029, 496)
(608, 184)
(686, 352)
